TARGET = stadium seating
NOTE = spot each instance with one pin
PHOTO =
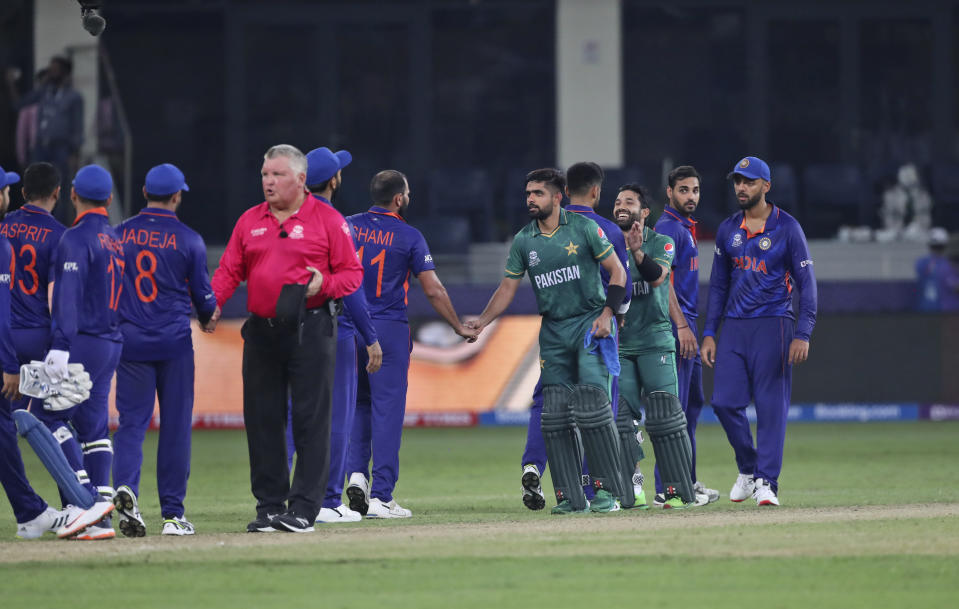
(785, 188)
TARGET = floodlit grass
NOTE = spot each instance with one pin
(870, 517)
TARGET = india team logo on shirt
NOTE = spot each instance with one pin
(533, 258)
(765, 243)
(297, 232)
(737, 240)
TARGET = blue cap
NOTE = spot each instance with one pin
(751, 167)
(93, 182)
(7, 178)
(164, 180)
(322, 164)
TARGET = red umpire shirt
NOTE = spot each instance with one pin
(268, 255)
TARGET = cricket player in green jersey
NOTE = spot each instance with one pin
(563, 252)
(647, 354)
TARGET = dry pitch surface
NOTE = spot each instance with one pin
(808, 535)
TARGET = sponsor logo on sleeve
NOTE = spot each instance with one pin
(668, 247)
(346, 229)
(599, 231)
(428, 258)
(71, 266)
(805, 263)
(5, 278)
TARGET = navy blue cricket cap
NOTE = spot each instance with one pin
(322, 164)
(165, 179)
(7, 178)
(751, 167)
(93, 182)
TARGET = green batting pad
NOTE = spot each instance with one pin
(562, 446)
(666, 426)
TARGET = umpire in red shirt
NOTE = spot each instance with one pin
(289, 244)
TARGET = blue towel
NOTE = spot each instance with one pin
(607, 350)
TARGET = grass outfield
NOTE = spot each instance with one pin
(870, 517)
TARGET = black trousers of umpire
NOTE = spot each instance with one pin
(275, 365)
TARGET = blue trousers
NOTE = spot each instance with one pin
(752, 363)
(535, 450)
(25, 502)
(380, 408)
(139, 385)
(88, 450)
(344, 407)
(30, 344)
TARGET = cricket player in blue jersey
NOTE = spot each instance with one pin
(323, 178)
(34, 516)
(584, 182)
(390, 251)
(88, 282)
(34, 234)
(677, 223)
(165, 272)
(761, 253)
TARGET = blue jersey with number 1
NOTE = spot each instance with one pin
(390, 249)
(88, 280)
(165, 271)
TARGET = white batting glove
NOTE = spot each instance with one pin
(55, 364)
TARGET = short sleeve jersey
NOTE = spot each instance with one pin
(165, 271)
(563, 266)
(34, 235)
(647, 327)
(389, 250)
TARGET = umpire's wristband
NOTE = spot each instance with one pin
(649, 269)
(615, 294)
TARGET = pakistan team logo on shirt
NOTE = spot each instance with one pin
(533, 258)
(765, 243)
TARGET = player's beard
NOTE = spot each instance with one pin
(749, 203)
(625, 223)
(402, 209)
(333, 195)
(541, 213)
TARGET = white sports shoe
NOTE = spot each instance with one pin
(711, 493)
(177, 526)
(378, 509)
(96, 533)
(130, 522)
(78, 519)
(340, 513)
(358, 492)
(533, 496)
(48, 520)
(764, 493)
(743, 489)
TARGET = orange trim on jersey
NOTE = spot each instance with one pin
(750, 235)
(388, 213)
(406, 289)
(101, 211)
(153, 213)
(789, 286)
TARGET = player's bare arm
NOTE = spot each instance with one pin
(498, 302)
(11, 386)
(210, 324)
(617, 277)
(685, 334)
(440, 299)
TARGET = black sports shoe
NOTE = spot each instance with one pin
(262, 524)
(289, 522)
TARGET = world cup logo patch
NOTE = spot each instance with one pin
(765, 243)
(737, 240)
(533, 258)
